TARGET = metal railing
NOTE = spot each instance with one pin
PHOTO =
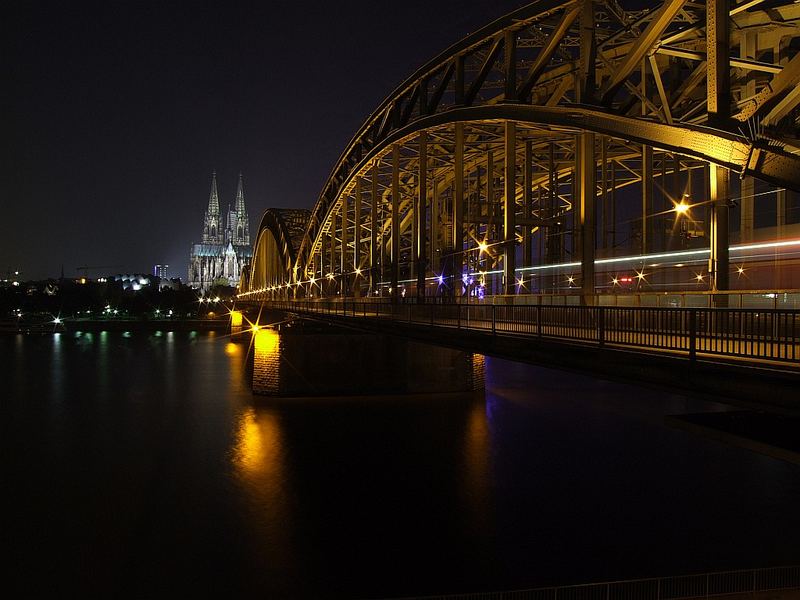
(681, 587)
(756, 334)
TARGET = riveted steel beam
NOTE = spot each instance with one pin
(480, 78)
(643, 45)
(782, 87)
(718, 74)
(545, 54)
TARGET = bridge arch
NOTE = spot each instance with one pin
(522, 134)
(275, 248)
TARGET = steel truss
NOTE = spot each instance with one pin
(510, 148)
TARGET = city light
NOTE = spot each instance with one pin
(483, 246)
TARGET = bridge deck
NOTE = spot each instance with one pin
(767, 337)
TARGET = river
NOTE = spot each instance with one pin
(142, 462)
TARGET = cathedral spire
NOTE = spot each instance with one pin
(212, 227)
(240, 210)
(213, 198)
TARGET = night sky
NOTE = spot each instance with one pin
(114, 115)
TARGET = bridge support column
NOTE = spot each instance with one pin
(527, 201)
(553, 241)
(587, 191)
(395, 231)
(374, 261)
(718, 95)
(419, 245)
(344, 265)
(330, 277)
(458, 208)
(357, 241)
(647, 197)
(718, 264)
(746, 224)
(510, 209)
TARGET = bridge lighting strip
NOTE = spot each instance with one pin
(623, 259)
(681, 253)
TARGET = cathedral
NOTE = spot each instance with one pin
(224, 250)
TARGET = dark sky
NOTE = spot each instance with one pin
(114, 114)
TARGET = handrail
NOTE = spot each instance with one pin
(745, 333)
(677, 587)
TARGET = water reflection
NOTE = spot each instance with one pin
(258, 446)
(477, 468)
(259, 461)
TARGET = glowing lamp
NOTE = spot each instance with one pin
(682, 208)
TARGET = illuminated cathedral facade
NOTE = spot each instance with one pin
(225, 247)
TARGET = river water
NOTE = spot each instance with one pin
(139, 463)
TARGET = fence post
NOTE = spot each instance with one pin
(539, 319)
(692, 334)
(493, 319)
(458, 315)
(601, 326)
(432, 306)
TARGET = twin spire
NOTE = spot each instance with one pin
(213, 198)
(237, 228)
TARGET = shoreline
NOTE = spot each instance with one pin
(69, 326)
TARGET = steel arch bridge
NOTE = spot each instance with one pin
(546, 138)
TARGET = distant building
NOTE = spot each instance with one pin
(161, 271)
(131, 281)
(224, 250)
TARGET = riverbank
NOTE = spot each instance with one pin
(116, 325)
